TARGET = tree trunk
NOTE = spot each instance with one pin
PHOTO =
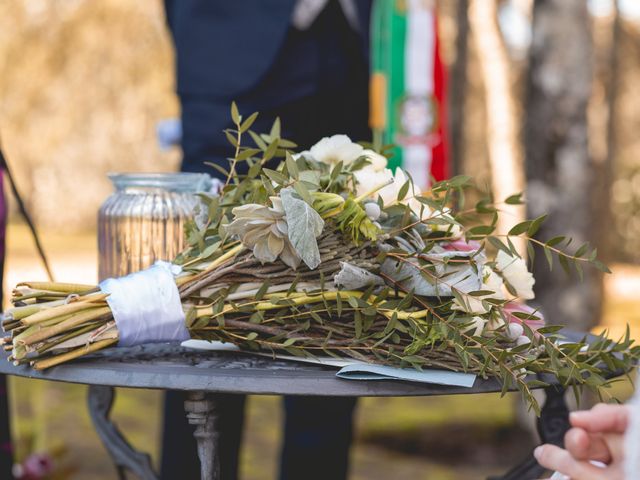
(458, 88)
(607, 168)
(502, 130)
(559, 169)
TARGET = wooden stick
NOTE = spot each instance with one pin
(62, 327)
(76, 306)
(78, 352)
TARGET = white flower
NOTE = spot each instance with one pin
(367, 179)
(389, 194)
(264, 230)
(473, 304)
(492, 281)
(338, 148)
(378, 162)
(476, 326)
(514, 270)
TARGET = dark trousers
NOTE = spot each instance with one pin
(179, 453)
(317, 436)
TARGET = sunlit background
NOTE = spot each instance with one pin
(83, 84)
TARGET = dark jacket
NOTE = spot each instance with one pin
(247, 51)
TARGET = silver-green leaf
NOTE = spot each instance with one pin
(305, 225)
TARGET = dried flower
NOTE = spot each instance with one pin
(264, 230)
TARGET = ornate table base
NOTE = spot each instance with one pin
(552, 425)
(202, 413)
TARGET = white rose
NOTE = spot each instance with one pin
(377, 162)
(367, 179)
(490, 281)
(514, 270)
(338, 148)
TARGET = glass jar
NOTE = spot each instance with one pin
(143, 220)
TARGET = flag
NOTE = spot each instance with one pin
(408, 81)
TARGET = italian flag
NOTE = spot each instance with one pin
(408, 87)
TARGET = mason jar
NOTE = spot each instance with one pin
(143, 220)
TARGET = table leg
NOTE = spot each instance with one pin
(124, 456)
(203, 413)
(552, 425)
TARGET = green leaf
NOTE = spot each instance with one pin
(520, 228)
(482, 230)
(277, 177)
(459, 181)
(231, 138)
(564, 262)
(270, 151)
(402, 193)
(235, 115)
(222, 170)
(246, 125)
(292, 167)
(303, 192)
(514, 199)
(582, 250)
(531, 252)
(498, 244)
(336, 170)
(535, 225)
(257, 140)
(247, 153)
(305, 225)
(549, 257)
(601, 266)
(262, 290)
(555, 240)
(275, 128)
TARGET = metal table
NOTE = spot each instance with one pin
(203, 374)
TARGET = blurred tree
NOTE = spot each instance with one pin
(502, 129)
(559, 168)
(458, 88)
(606, 169)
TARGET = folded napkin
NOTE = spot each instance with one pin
(368, 371)
(355, 370)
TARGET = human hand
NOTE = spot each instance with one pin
(597, 435)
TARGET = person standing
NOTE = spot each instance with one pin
(306, 62)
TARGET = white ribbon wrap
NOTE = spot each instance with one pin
(146, 306)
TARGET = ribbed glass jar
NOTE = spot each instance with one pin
(143, 220)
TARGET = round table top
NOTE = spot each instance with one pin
(176, 368)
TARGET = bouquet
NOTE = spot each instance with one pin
(327, 252)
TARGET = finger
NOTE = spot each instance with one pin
(615, 444)
(587, 446)
(602, 418)
(556, 458)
